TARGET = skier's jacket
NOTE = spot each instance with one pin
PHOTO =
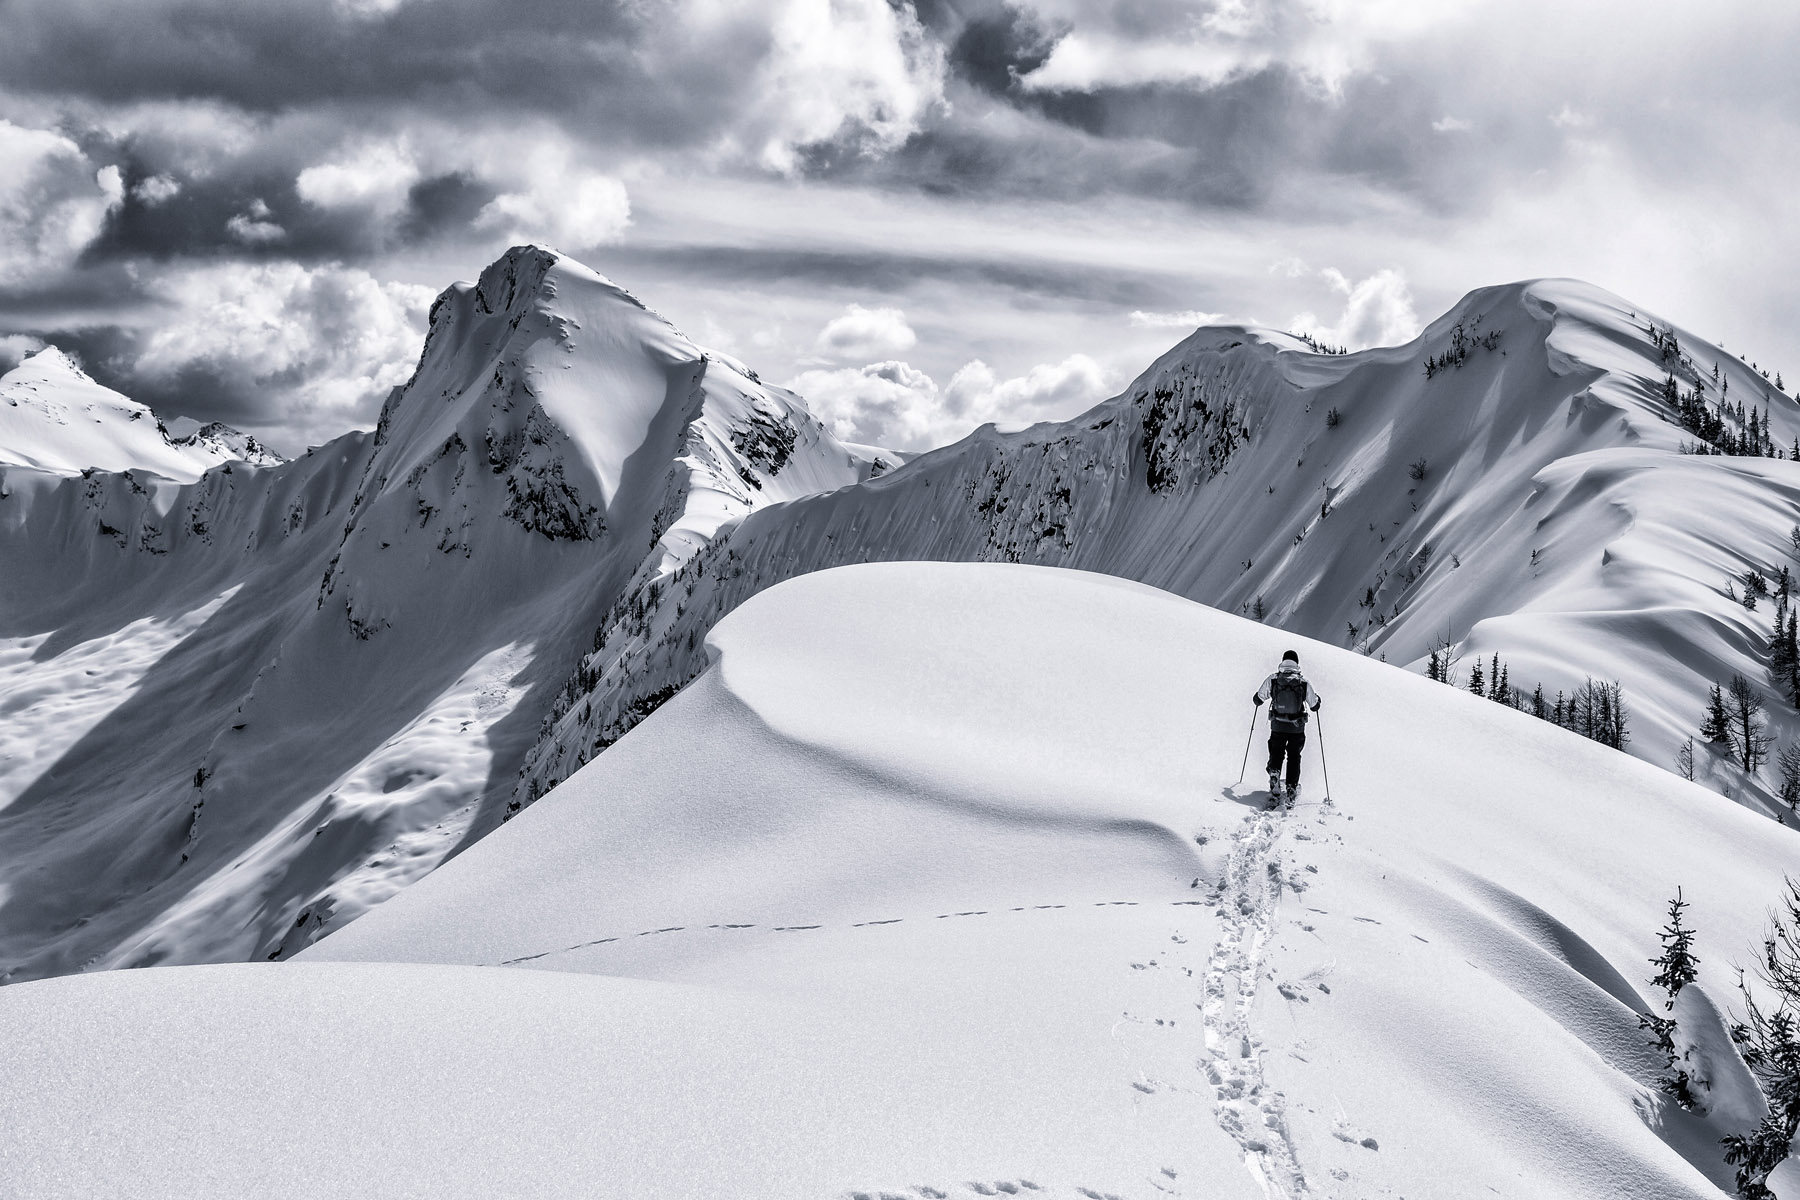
(1289, 697)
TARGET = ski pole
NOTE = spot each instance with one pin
(1247, 741)
(1322, 766)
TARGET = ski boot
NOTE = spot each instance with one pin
(1274, 789)
(1293, 796)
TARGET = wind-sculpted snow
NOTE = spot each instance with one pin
(1024, 856)
(400, 608)
(1529, 496)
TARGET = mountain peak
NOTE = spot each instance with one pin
(53, 361)
(54, 417)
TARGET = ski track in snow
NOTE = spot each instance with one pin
(1254, 1116)
(803, 928)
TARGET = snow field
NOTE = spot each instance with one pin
(1427, 988)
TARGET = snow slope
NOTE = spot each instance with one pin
(381, 649)
(937, 883)
(55, 418)
(1554, 519)
(290, 689)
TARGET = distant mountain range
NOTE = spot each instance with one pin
(246, 700)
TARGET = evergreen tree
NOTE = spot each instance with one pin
(1749, 736)
(1788, 761)
(1769, 1040)
(1715, 727)
(1539, 709)
(1791, 637)
(1476, 683)
(1676, 967)
(1503, 690)
(1434, 670)
(1783, 653)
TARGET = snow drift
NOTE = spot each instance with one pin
(937, 883)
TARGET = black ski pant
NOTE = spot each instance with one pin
(1286, 743)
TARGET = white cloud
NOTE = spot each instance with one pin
(319, 346)
(1146, 41)
(1191, 318)
(1378, 311)
(865, 68)
(1449, 124)
(1567, 117)
(882, 404)
(896, 404)
(555, 199)
(367, 9)
(1048, 390)
(156, 190)
(14, 347)
(53, 201)
(376, 175)
(867, 333)
(1292, 266)
(255, 228)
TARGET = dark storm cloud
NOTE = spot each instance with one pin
(565, 58)
(994, 48)
(895, 273)
(1224, 147)
(197, 221)
(442, 204)
(56, 299)
(109, 354)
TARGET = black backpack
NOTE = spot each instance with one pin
(1287, 700)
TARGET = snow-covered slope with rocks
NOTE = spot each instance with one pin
(240, 706)
(937, 884)
(55, 418)
(1530, 496)
(379, 650)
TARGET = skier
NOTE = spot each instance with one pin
(1290, 698)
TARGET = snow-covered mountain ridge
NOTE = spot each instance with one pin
(242, 707)
(55, 418)
(381, 648)
(1002, 924)
(1516, 482)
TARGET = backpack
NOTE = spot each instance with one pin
(1287, 699)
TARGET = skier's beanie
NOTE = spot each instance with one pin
(1290, 656)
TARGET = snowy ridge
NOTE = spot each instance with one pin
(1003, 926)
(370, 635)
(1530, 497)
(54, 418)
(384, 647)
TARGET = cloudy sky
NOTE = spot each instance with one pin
(922, 215)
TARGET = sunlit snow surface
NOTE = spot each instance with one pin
(53, 417)
(938, 883)
(50, 700)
